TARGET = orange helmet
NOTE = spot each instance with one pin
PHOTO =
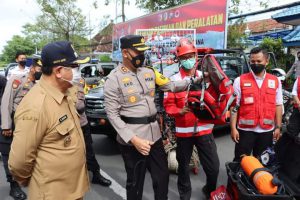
(185, 46)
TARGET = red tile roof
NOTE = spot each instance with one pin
(265, 25)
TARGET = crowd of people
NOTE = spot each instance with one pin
(46, 142)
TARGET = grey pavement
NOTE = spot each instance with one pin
(112, 165)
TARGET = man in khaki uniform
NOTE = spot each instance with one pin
(16, 88)
(129, 95)
(48, 151)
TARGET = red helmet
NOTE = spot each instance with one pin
(185, 46)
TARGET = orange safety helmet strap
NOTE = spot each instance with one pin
(185, 46)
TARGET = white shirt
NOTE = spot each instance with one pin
(295, 88)
(17, 71)
(259, 82)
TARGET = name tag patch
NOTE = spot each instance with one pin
(248, 100)
(271, 84)
(63, 118)
(247, 84)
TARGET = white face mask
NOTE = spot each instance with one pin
(76, 75)
(69, 81)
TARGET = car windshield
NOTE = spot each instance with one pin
(232, 66)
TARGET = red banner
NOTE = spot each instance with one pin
(208, 17)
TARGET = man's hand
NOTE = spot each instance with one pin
(143, 146)
(235, 135)
(7, 132)
(184, 110)
(276, 134)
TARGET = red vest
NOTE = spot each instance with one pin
(186, 125)
(257, 105)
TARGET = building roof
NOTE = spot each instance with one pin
(104, 39)
(288, 16)
(292, 39)
(262, 26)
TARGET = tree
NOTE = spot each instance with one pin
(155, 5)
(17, 44)
(62, 19)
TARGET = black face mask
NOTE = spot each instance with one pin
(138, 60)
(257, 68)
(22, 63)
(37, 75)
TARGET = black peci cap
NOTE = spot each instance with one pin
(61, 53)
(136, 42)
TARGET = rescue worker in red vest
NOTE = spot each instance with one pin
(256, 120)
(189, 130)
(293, 127)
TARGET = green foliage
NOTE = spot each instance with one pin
(275, 46)
(17, 44)
(105, 58)
(236, 34)
(155, 5)
(60, 20)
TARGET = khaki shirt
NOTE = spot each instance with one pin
(16, 88)
(48, 150)
(132, 94)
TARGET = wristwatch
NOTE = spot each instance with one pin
(278, 127)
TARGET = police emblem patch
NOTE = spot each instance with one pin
(16, 84)
(67, 140)
(132, 99)
(124, 69)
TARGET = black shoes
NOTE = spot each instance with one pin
(99, 179)
(206, 192)
(16, 192)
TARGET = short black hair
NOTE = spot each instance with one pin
(257, 50)
(20, 53)
(47, 70)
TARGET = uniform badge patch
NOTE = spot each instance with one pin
(271, 84)
(247, 84)
(67, 140)
(16, 84)
(132, 99)
(124, 69)
(147, 75)
(248, 100)
(130, 91)
(126, 80)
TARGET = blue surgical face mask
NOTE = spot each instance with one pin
(188, 63)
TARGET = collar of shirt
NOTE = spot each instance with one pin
(257, 77)
(183, 74)
(55, 93)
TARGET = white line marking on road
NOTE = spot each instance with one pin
(115, 186)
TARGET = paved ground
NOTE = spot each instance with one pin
(112, 165)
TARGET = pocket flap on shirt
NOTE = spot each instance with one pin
(64, 127)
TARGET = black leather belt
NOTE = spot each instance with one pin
(139, 120)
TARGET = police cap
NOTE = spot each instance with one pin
(136, 42)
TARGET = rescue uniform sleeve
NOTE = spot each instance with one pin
(112, 107)
(28, 134)
(170, 105)
(166, 85)
(7, 102)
